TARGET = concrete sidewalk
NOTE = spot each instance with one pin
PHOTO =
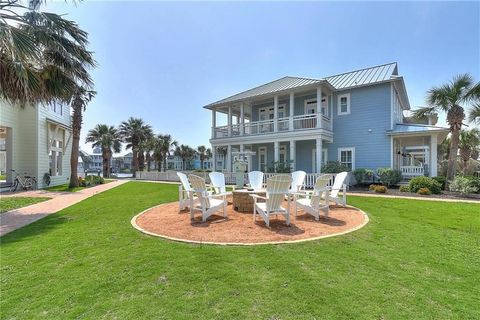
(15, 219)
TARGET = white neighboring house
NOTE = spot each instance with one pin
(37, 140)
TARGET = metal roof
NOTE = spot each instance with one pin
(281, 84)
(363, 76)
(414, 128)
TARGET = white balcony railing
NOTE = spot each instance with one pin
(295, 123)
(411, 171)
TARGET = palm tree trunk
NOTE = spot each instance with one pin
(105, 164)
(452, 157)
(164, 162)
(134, 162)
(76, 128)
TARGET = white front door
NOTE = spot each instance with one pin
(283, 154)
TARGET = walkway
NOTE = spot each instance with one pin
(15, 219)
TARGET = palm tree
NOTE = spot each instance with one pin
(134, 131)
(147, 148)
(474, 114)
(469, 146)
(165, 145)
(186, 153)
(204, 154)
(108, 139)
(448, 98)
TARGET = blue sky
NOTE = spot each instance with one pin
(163, 61)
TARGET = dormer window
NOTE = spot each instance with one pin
(344, 104)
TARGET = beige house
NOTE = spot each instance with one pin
(36, 141)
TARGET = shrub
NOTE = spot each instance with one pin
(388, 176)
(425, 182)
(372, 187)
(404, 189)
(424, 191)
(442, 180)
(334, 167)
(362, 175)
(465, 184)
(93, 180)
(381, 189)
(81, 182)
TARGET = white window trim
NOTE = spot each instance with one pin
(306, 105)
(271, 110)
(339, 155)
(339, 109)
(262, 150)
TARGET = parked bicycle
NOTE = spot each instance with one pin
(26, 182)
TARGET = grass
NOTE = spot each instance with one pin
(66, 188)
(414, 260)
(10, 203)
(3, 177)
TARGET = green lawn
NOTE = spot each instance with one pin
(414, 260)
(65, 188)
(10, 203)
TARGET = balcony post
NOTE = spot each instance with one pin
(318, 151)
(229, 121)
(242, 119)
(229, 158)
(433, 155)
(291, 111)
(319, 107)
(292, 154)
(214, 158)
(214, 122)
(275, 113)
(276, 151)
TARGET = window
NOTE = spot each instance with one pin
(346, 156)
(344, 104)
(56, 108)
(55, 158)
(283, 154)
(311, 106)
(262, 159)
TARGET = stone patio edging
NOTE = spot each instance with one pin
(133, 221)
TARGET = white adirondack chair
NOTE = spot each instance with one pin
(277, 188)
(311, 201)
(217, 180)
(207, 204)
(338, 192)
(255, 180)
(298, 179)
(184, 192)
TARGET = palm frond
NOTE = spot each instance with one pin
(421, 113)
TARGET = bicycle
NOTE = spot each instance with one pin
(27, 182)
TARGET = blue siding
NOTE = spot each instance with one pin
(369, 109)
(303, 150)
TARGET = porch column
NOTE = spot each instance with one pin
(319, 108)
(292, 111)
(276, 151)
(318, 151)
(214, 122)
(242, 119)
(292, 154)
(214, 158)
(229, 121)
(433, 155)
(229, 158)
(275, 113)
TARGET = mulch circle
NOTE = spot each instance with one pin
(238, 228)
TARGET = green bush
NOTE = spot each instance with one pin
(424, 191)
(334, 167)
(425, 182)
(404, 189)
(362, 175)
(388, 176)
(93, 181)
(372, 187)
(465, 184)
(442, 180)
(381, 189)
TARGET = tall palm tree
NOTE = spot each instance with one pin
(134, 131)
(147, 148)
(108, 139)
(186, 153)
(204, 153)
(165, 145)
(469, 146)
(449, 98)
(474, 114)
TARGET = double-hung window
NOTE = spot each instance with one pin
(344, 104)
(346, 156)
(56, 158)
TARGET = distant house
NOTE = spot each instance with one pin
(356, 118)
(36, 140)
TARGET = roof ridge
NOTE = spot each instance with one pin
(377, 66)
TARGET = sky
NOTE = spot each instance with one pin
(163, 61)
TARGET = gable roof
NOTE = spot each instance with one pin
(363, 76)
(281, 84)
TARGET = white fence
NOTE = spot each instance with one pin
(230, 177)
(411, 171)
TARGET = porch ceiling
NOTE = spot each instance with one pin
(402, 129)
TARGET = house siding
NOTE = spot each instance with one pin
(370, 108)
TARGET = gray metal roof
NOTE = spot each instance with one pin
(281, 84)
(407, 128)
(363, 76)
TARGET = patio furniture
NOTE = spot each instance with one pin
(255, 179)
(339, 185)
(242, 200)
(207, 203)
(277, 188)
(217, 180)
(184, 191)
(298, 179)
(311, 201)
